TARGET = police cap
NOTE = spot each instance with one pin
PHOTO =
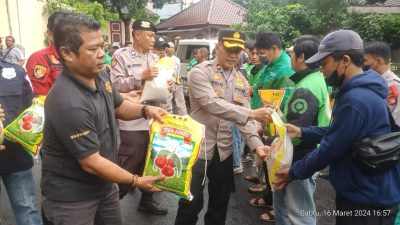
(141, 24)
(232, 38)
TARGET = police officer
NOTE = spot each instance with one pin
(218, 97)
(44, 66)
(15, 164)
(130, 67)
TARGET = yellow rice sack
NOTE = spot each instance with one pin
(27, 128)
(173, 150)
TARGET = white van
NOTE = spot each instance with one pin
(185, 52)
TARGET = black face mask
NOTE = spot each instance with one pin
(334, 79)
(263, 59)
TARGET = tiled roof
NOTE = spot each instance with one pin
(215, 12)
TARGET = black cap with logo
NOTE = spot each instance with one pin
(141, 24)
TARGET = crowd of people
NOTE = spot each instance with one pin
(96, 130)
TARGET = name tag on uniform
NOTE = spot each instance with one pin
(8, 73)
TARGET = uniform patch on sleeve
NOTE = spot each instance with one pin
(39, 71)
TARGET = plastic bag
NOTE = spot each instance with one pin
(173, 150)
(156, 90)
(27, 128)
(282, 149)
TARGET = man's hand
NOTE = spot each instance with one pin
(293, 131)
(133, 96)
(146, 183)
(262, 115)
(171, 85)
(149, 73)
(263, 152)
(2, 115)
(282, 178)
(156, 113)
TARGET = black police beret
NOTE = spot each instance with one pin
(232, 38)
(141, 24)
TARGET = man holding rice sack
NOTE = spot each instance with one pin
(79, 148)
(218, 97)
(132, 66)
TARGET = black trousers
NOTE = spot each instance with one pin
(348, 213)
(221, 184)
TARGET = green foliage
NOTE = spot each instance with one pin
(317, 17)
(92, 9)
(375, 27)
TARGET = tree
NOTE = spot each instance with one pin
(92, 9)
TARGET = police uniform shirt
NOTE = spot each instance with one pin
(15, 96)
(217, 99)
(126, 75)
(80, 121)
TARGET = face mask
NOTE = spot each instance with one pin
(366, 67)
(334, 79)
(263, 59)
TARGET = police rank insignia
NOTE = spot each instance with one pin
(108, 87)
(39, 71)
(217, 76)
(239, 81)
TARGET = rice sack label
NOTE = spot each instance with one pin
(271, 97)
(27, 128)
(173, 150)
(282, 149)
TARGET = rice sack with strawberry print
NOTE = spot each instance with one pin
(27, 128)
(173, 150)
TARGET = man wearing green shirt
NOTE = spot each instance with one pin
(278, 71)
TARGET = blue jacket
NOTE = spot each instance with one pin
(360, 111)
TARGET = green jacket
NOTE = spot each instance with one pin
(307, 105)
(276, 76)
(253, 77)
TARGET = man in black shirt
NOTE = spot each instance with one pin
(79, 145)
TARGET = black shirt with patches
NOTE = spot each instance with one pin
(79, 121)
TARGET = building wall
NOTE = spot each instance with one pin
(24, 22)
(375, 9)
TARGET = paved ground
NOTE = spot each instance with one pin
(239, 211)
